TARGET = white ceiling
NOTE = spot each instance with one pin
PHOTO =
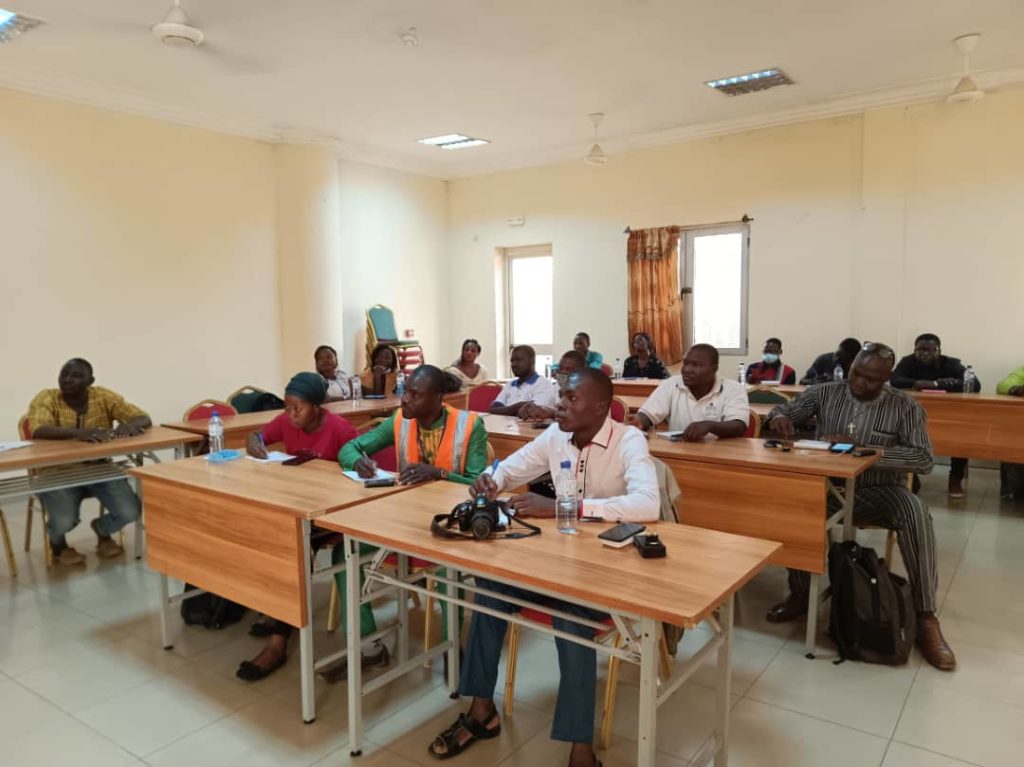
(522, 73)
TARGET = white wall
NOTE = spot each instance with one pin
(145, 247)
(393, 253)
(880, 226)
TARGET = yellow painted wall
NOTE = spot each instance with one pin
(881, 225)
(145, 247)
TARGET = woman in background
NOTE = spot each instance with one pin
(643, 363)
(381, 377)
(466, 368)
(338, 385)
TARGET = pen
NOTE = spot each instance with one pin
(364, 455)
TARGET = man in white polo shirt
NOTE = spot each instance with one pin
(698, 403)
(526, 387)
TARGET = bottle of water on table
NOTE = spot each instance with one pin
(356, 386)
(215, 431)
(400, 384)
(742, 377)
(566, 504)
(837, 373)
(970, 381)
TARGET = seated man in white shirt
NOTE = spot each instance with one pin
(527, 386)
(698, 403)
(569, 363)
(617, 482)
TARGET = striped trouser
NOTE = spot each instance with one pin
(894, 507)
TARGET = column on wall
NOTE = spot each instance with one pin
(308, 253)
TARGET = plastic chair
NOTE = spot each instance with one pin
(242, 406)
(380, 329)
(480, 397)
(753, 426)
(618, 410)
(204, 409)
(767, 395)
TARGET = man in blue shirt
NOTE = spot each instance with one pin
(582, 344)
(527, 386)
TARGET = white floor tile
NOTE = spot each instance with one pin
(983, 672)
(22, 711)
(762, 735)
(541, 750)
(64, 741)
(902, 755)
(150, 716)
(24, 648)
(963, 726)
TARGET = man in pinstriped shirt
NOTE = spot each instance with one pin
(866, 411)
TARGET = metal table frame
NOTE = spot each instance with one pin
(639, 634)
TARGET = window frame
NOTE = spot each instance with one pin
(510, 255)
(686, 267)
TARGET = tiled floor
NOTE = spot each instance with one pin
(83, 680)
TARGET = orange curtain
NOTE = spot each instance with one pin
(655, 307)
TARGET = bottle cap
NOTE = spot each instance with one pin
(566, 464)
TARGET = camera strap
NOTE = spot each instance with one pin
(442, 526)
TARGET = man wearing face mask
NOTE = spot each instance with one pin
(866, 411)
(771, 368)
(929, 368)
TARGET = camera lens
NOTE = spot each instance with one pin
(481, 526)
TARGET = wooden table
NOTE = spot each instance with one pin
(635, 387)
(237, 428)
(739, 486)
(72, 456)
(241, 530)
(982, 426)
(702, 572)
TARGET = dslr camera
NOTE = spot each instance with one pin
(479, 517)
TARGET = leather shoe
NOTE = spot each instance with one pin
(933, 645)
(788, 610)
(955, 489)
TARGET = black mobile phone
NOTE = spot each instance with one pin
(299, 459)
(621, 532)
(864, 452)
(540, 424)
(385, 482)
(375, 396)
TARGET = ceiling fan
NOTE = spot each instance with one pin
(596, 155)
(177, 29)
(965, 89)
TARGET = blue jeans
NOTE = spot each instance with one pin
(574, 709)
(63, 507)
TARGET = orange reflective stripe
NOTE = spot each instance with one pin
(458, 425)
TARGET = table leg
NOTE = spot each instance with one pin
(848, 492)
(813, 602)
(403, 611)
(724, 687)
(648, 690)
(453, 637)
(306, 633)
(352, 643)
(165, 613)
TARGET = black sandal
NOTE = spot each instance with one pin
(477, 731)
(250, 672)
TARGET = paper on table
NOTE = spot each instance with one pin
(274, 456)
(668, 434)
(812, 444)
(381, 474)
(14, 445)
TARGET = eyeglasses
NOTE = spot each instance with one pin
(886, 352)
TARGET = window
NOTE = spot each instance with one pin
(529, 300)
(714, 272)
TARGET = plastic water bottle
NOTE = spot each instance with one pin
(400, 384)
(215, 431)
(742, 377)
(566, 504)
(970, 380)
(837, 373)
(617, 369)
(356, 386)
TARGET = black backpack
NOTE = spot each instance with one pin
(872, 616)
(210, 611)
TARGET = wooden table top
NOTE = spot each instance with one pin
(249, 422)
(510, 426)
(967, 399)
(751, 453)
(700, 571)
(307, 490)
(54, 452)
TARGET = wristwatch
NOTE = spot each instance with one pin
(444, 473)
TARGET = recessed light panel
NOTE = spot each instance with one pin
(750, 82)
(453, 141)
(13, 24)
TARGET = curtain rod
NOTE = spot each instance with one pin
(745, 220)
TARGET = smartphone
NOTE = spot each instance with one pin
(541, 424)
(375, 396)
(621, 532)
(863, 452)
(385, 482)
(299, 459)
(842, 447)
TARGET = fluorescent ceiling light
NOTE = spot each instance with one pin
(750, 82)
(13, 24)
(448, 138)
(465, 144)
